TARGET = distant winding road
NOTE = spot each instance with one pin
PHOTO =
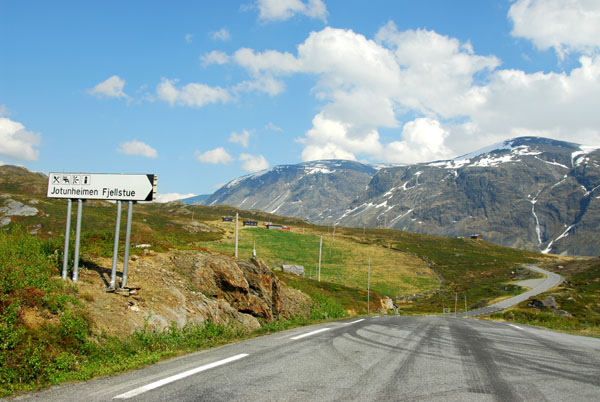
(538, 286)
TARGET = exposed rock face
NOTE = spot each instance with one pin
(16, 208)
(530, 192)
(188, 288)
(249, 286)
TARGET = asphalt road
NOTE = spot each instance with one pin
(539, 286)
(387, 358)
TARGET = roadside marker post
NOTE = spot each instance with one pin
(320, 250)
(455, 302)
(100, 186)
(236, 234)
(369, 287)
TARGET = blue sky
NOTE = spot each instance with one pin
(202, 92)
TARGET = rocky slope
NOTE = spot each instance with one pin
(530, 192)
(188, 287)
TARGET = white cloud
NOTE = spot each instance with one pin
(221, 34)
(16, 142)
(112, 88)
(434, 95)
(192, 95)
(216, 156)
(330, 139)
(564, 25)
(273, 127)
(254, 163)
(214, 57)
(264, 83)
(369, 84)
(281, 10)
(168, 197)
(556, 105)
(422, 140)
(135, 147)
(188, 38)
(243, 138)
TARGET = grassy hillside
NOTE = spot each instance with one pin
(343, 261)
(480, 270)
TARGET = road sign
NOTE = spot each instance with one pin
(99, 186)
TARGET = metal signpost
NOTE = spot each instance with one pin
(99, 186)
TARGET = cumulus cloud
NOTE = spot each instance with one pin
(433, 94)
(135, 147)
(369, 84)
(168, 197)
(192, 94)
(221, 34)
(215, 156)
(564, 25)
(112, 87)
(214, 57)
(16, 142)
(422, 139)
(253, 163)
(281, 10)
(188, 38)
(242, 138)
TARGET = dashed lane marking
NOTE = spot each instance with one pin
(310, 333)
(354, 322)
(177, 377)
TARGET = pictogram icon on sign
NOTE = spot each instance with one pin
(86, 179)
(76, 179)
(55, 179)
(66, 180)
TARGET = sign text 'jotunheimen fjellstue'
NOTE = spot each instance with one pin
(100, 186)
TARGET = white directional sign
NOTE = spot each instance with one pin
(99, 186)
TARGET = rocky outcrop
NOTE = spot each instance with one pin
(188, 288)
(16, 208)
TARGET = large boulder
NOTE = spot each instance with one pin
(249, 286)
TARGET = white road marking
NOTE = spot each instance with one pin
(376, 316)
(310, 333)
(354, 322)
(514, 326)
(177, 377)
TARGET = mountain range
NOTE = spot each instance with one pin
(532, 193)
